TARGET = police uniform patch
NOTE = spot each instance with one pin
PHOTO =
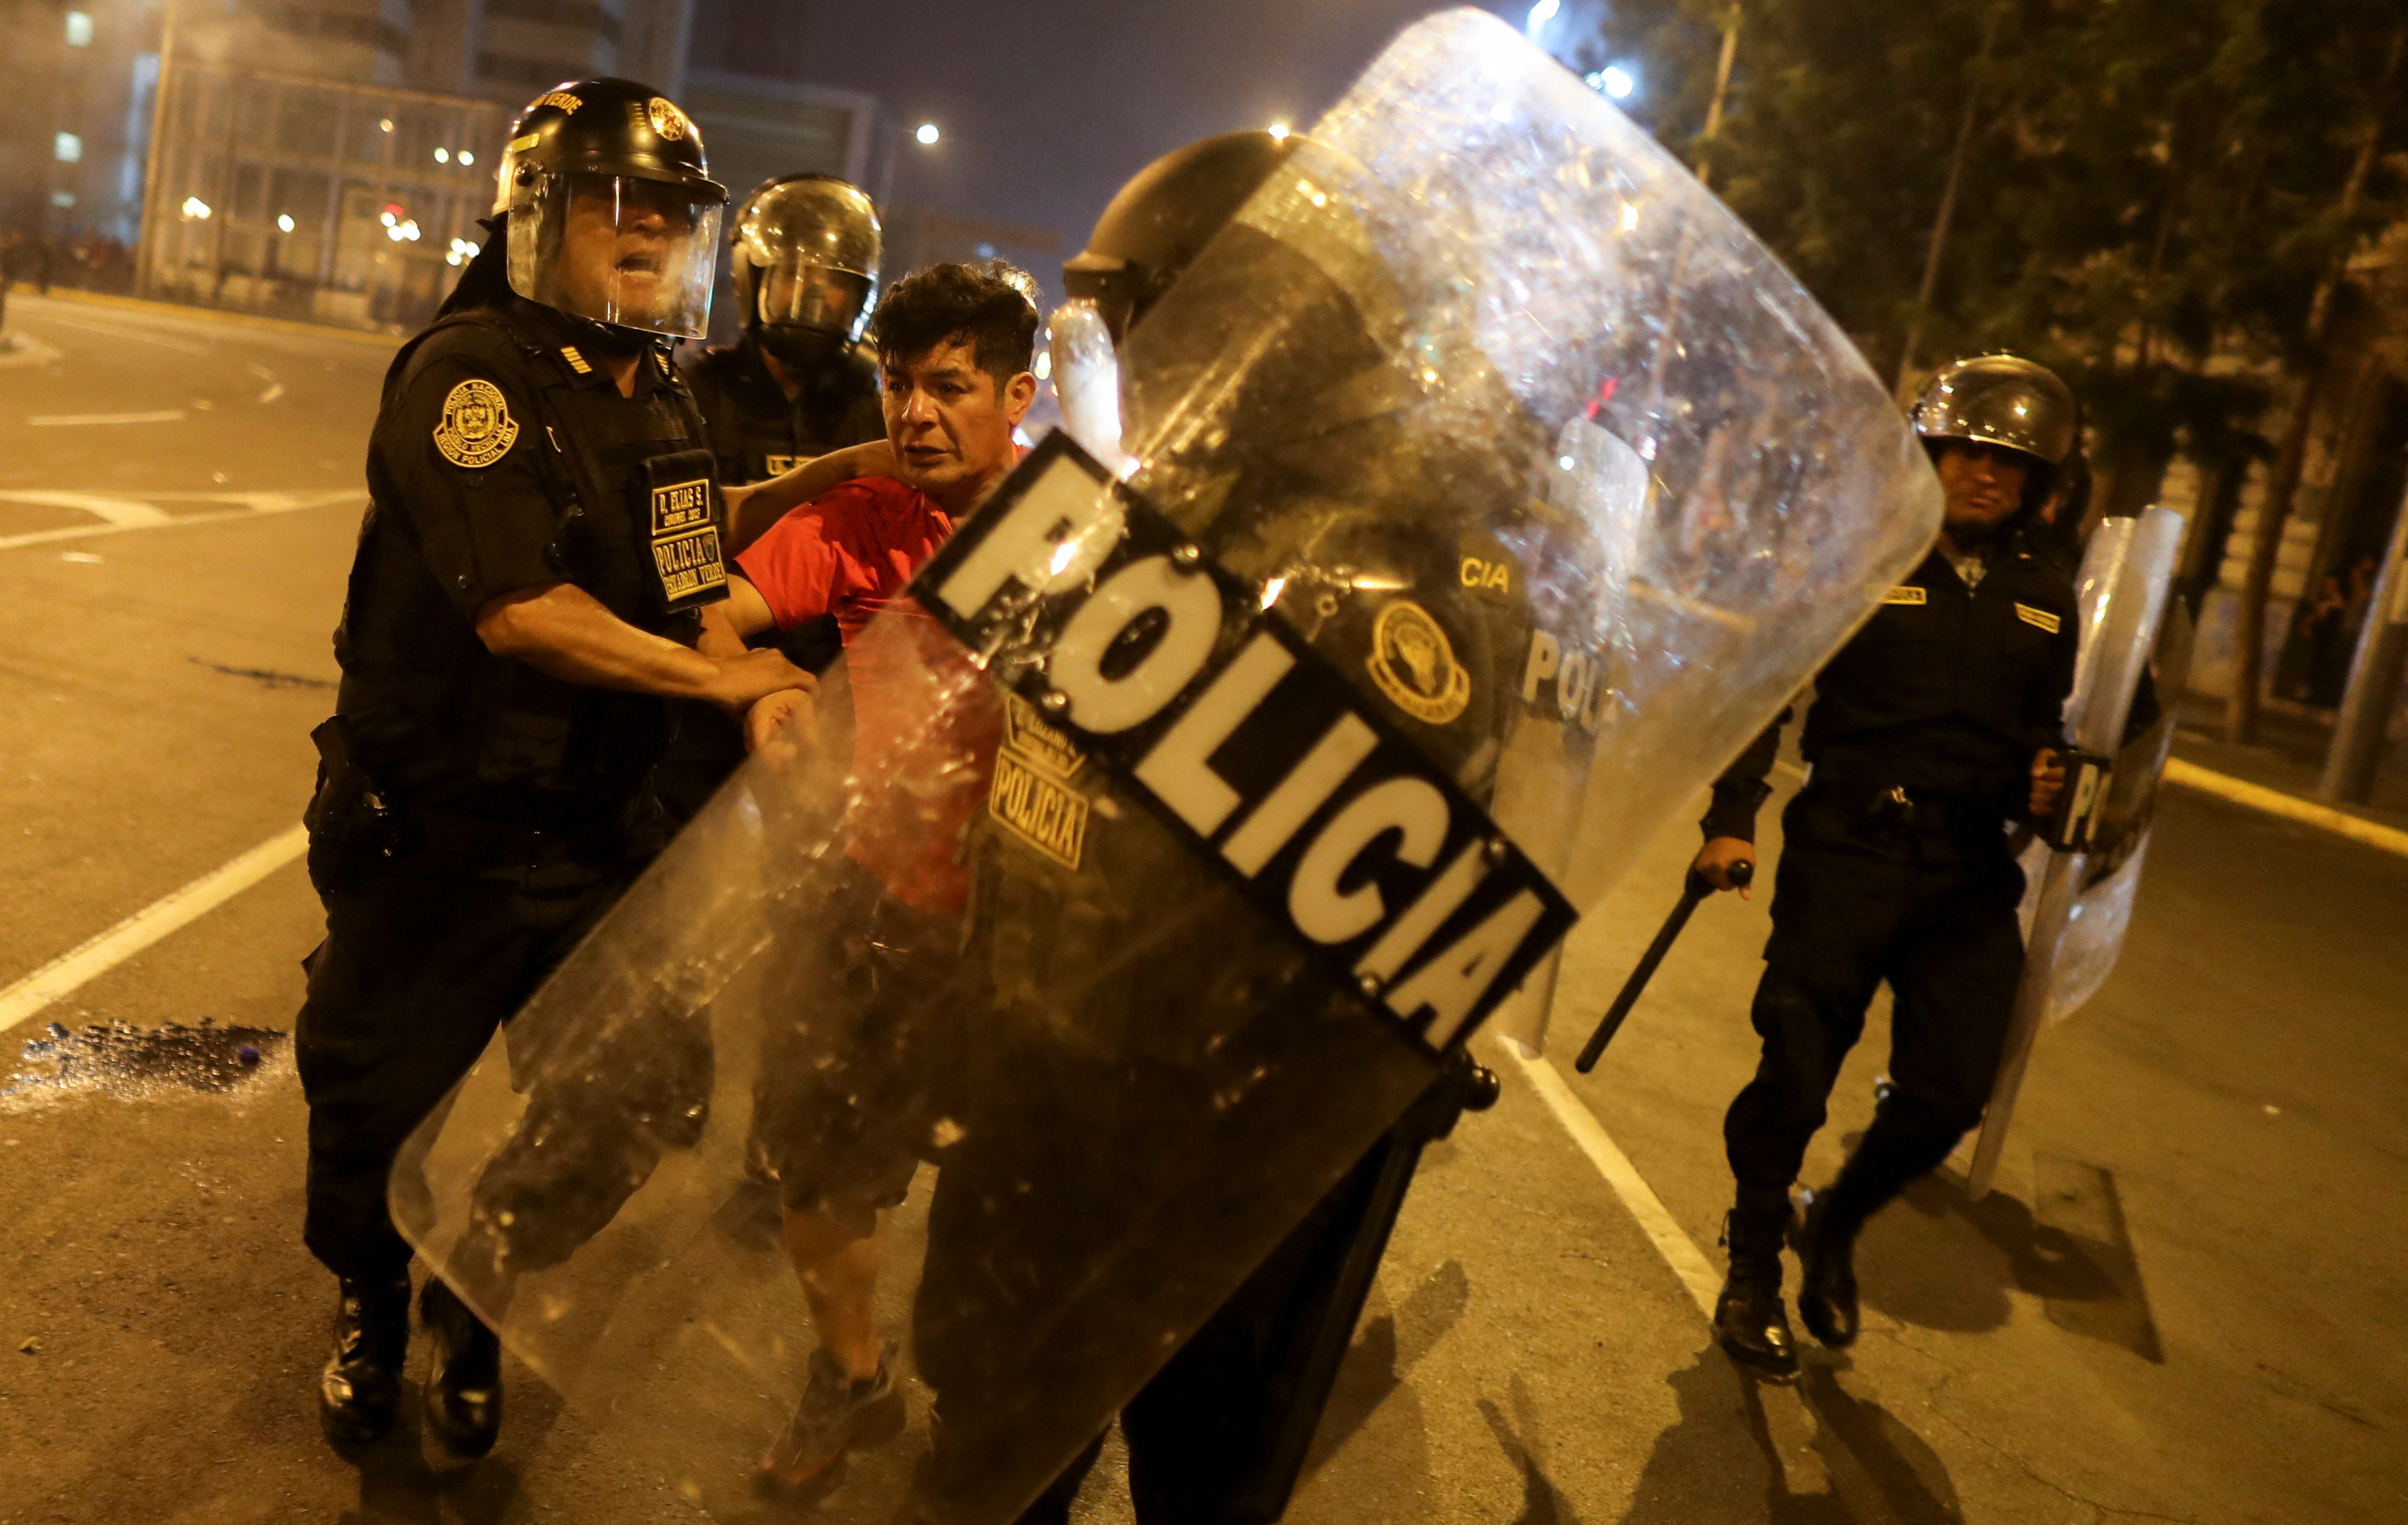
(1413, 663)
(685, 531)
(477, 427)
(1031, 795)
(666, 119)
(1905, 593)
(577, 361)
(2040, 617)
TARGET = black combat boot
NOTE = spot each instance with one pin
(1824, 1234)
(360, 1388)
(1750, 1322)
(464, 1382)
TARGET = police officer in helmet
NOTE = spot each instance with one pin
(1357, 531)
(523, 610)
(798, 384)
(1933, 729)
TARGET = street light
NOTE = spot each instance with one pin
(927, 135)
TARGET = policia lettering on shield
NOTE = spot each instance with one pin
(1936, 726)
(543, 529)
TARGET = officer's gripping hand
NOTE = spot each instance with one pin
(1719, 857)
(2048, 783)
(744, 681)
(781, 724)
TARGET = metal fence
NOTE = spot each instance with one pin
(333, 203)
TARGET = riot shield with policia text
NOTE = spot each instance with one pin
(2074, 918)
(1178, 846)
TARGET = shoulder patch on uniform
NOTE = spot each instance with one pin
(577, 361)
(477, 428)
(2040, 617)
(1413, 663)
(1905, 593)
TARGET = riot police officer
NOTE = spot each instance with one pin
(1359, 533)
(798, 383)
(1935, 728)
(543, 528)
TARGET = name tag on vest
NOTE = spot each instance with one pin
(1254, 749)
(685, 523)
(1904, 593)
(2040, 617)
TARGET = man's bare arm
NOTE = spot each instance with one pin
(751, 511)
(563, 631)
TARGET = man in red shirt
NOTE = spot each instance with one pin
(954, 344)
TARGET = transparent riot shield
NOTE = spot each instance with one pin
(2076, 905)
(1488, 488)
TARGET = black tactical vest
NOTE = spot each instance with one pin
(443, 724)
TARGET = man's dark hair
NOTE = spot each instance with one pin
(989, 307)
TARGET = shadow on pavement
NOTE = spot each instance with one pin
(397, 1484)
(1387, 1348)
(1941, 1260)
(1803, 1453)
(1542, 1503)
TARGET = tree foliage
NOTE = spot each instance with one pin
(2152, 191)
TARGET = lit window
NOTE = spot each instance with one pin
(78, 29)
(68, 149)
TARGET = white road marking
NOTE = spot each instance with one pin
(53, 420)
(239, 506)
(65, 974)
(1679, 1250)
(2275, 802)
(138, 336)
(125, 512)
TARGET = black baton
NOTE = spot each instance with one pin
(1694, 891)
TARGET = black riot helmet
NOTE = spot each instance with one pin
(804, 252)
(2003, 400)
(613, 215)
(1167, 212)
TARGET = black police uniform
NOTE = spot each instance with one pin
(474, 815)
(756, 432)
(1896, 866)
(1075, 931)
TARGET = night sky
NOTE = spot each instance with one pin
(1047, 106)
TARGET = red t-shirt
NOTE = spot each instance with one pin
(921, 754)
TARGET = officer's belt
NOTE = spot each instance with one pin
(480, 839)
(1930, 812)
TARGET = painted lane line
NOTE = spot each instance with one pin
(48, 421)
(124, 511)
(1688, 1263)
(65, 974)
(137, 334)
(263, 504)
(2275, 802)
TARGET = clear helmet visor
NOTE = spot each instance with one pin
(800, 293)
(632, 252)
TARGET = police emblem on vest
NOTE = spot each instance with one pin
(477, 429)
(1413, 663)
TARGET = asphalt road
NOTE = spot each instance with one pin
(2184, 1304)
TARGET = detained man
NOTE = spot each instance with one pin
(845, 1107)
